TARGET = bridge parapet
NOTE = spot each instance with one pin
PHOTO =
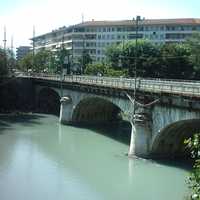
(177, 87)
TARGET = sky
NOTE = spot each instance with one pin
(19, 16)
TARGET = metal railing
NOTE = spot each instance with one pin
(181, 87)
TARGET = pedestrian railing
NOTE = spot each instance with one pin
(181, 87)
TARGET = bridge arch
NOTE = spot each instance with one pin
(48, 101)
(96, 110)
(169, 142)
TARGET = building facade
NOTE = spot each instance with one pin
(22, 51)
(95, 36)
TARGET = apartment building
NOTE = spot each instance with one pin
(22, 51)
(96, 36)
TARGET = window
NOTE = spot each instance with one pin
(161, 36)
(113, 37)
(133, 36)
(194, 28)
(162, 28)
(119, 29)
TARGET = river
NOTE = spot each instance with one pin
(41, 159)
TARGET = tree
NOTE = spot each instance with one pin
(114, 55)
(26, 63)
(193, 43)
(3, 65)
(175, 62)
(103, 69)
(63, 60)
(84, 60)
(156, 61)
(124, 56)
(40, 62)
(194, 179)
(96, 69)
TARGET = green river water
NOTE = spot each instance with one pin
(43, 160)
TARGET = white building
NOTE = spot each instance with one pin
(22, 51)
(96, 36)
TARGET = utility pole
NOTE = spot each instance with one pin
(33, 40)
(82, 18)
(61, 67)
(83, 55)
(138, 19)
(72, 61)
(4, 40)
(12, 48)
(33, 47)
(5, 52)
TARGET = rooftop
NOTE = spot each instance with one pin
(180, 21)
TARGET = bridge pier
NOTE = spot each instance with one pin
(140, 137)
(66, 108)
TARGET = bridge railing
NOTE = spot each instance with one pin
(191, 88)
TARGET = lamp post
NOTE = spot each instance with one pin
(138, 19)
(61, 66)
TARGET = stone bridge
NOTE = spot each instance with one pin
(158, 129)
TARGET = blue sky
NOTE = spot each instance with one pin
(19, 16)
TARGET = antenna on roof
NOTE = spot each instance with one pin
(82, 18)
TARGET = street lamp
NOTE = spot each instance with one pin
(137, 20)
(61, 66)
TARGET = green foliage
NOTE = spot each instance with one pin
(194, 44)
(116, 73)
(84, 60)
(162, 61)
(26, 63)
(194, 179)
(96, 69)
(175, 62)
(42, 61)
(3, 65)
(114, 53)
(125, 54)
(103, 69)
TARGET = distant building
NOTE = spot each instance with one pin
(96, 36)
(22, 51)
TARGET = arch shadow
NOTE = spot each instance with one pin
(169, 143)
(48, 101)
(102, 116)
